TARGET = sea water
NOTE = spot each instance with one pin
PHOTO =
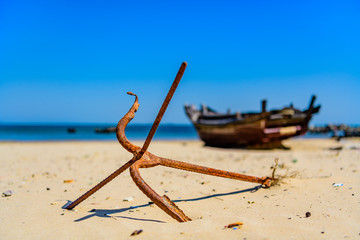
(47, 132)
(86, 132)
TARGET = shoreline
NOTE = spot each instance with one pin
(169, 139)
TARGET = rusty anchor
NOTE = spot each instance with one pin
(144, 159)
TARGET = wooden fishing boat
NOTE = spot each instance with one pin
(262, 129)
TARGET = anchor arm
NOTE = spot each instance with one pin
(120, 129)
(266, 181)
(162, 202)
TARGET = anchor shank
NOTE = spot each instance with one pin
(162, 110)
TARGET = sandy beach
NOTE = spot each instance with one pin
(44, 176)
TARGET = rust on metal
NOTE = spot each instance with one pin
(144, 159)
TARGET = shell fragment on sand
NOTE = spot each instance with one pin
(236, 224)
(7, 193)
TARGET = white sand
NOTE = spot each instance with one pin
(35, 172)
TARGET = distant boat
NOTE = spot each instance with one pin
(71, 130)
(255, 129)
(105, 130)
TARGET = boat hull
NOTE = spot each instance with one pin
(266, 128)
(247, 134)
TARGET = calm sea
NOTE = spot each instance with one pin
(87, 132)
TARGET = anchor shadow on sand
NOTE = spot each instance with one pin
(105, 213)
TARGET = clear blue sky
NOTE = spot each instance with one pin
(74, 61)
